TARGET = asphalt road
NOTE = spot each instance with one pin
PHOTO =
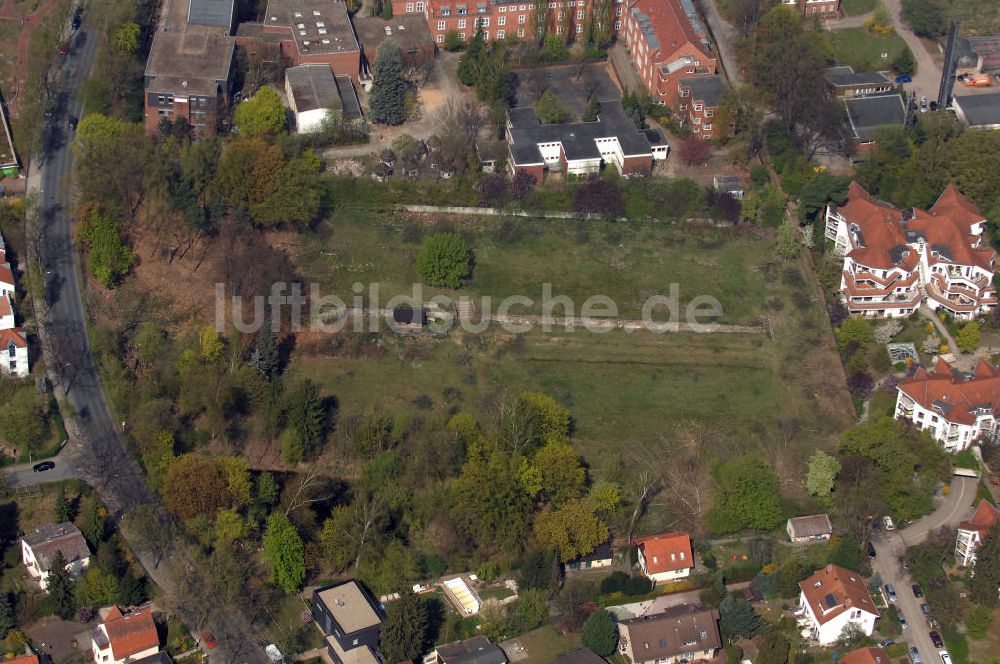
(97, 453)
(66, 467)
(891, 546)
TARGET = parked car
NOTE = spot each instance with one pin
(77, 19)
(886, 643)
(71, 122)
(934, 106)
(208, 639)
(871, 550)
(917, 591)
(915, 655)
(923, 104)
(890, 592)
(936, 639)
(902, 622)
(904, 78)
(43, 466)
(945, 657)
(925, 608)
(887, 520)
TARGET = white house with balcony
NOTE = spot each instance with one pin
(124, 636)
(971, 533)
(955, 407)
(40, 548)
(830, 600)
(895, 260)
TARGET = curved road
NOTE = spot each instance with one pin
(891, 546)
(95, 452)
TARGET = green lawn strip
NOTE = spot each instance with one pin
(863, 50)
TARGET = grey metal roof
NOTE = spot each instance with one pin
(211, 12)
(980, 110)
(351, 107)
(646, 25)
(868, 114)
(577, 138)
(312, 87)
(708, 89)
(846, 76)
(477, 650)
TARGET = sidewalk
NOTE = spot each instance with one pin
(941, 328)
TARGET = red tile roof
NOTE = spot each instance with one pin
(5, 308)
(955, 394)
(879, 224)
(131, 633)
(14, 335)
(671, 25)
(26, 659)
(667, 552)
(6, 275)
(833, 589)
(866, 656)
(985, 517)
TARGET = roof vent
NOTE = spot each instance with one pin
(316, 12)
(325, 41)
(401, 27)
(388, 30)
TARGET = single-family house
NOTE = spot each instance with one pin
(602, 556)
(477, 650)
(972, 532)
(125, 636)
(28, 659)
(39, 549)
(679, 634)
(665, 557)
(581, 656)
(866, 656)
(351, 620)
(809, 528)
(833, 598)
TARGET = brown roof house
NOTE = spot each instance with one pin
(39, 549)
(809, 528)
(681, 633)
(971, 533)
(833, 598)
(125, 636)
(866, 656)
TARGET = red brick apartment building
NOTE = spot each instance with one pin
(829, 8)
(668, 42)
(698, 105)
(315, 32)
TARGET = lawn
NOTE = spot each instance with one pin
(982, 651)
(751, 390)
(863, 50)
(545, 644)
(978, 19)
(858, 7)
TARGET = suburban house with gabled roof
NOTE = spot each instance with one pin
(833, 598)
(809, 528)
(845, 82)
(894, 259)
(351, 620)
(665, 557)
(972, 532)
(667, 41)
(39, 549)
(579, 148)
(13, 340)
(26, 659)
(477, 650)
(866, 656)
(685, 633)
(125, 636)
(602, 556)
(956, 407)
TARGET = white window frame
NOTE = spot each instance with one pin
(501, 20)
(440, 25)
(501, 34)
(461, 24)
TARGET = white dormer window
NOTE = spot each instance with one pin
(297, 14)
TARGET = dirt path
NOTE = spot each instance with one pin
(30, 22)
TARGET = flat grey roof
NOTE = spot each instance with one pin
(577, 138)
(312, 87)
(350, 106)
(408, 31)
(980, 110)
(317, 26)
(211, 12)
(708, 89)
(188, 58)
(868, 114)
(846, 76)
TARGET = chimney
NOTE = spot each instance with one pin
(829, 568)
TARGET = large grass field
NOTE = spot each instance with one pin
(858, 7)
(863, 50)
(774, 392)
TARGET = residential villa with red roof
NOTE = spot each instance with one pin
(971, 533)
(894, 259)
(125, 637)
(866, 656)
(955, 407)
(665, 557)
(668, 42)
(832, 598)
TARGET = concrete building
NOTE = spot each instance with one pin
(189, 72)
(895, 259)
(978, 111)
(579, 148)
(825, 8)
(351, 620)
(846, 83)
(831, 599)
(677, 635)
(39, 549)
(313, 92)
(315, 32)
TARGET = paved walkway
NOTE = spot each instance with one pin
(724, 36)
(942, 329)
(927, 80)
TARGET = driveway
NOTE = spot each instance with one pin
(927, 80)
(66, 467)
(724, 36)
(891, 546)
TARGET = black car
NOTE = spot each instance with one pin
(936, 640)
(77, 19)
(917, 591)
(71, 122)
(871, 550)
(43, 466)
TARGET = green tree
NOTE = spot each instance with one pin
(968, 337)
(265, 352)
(62, 511)
(284, 552)
(264, 113)
(562, 474)
(385, 101)
(573, 529)
(59, 584)
(24, 423)
(444, 260)
(747, 496)
(499, 517)
(125, 38)
(978, 621)
(98, 587)
(532, 608)
(549, 110)
(822, 474)
(847, 554)
(738, 619)
(196, 485)
(405, 631)
(108, 257)
(471, 60)
(983, 585)
(600, 633)
(787, 243)
(591, 112)
(267, 489)
(229, 527)
(773, 649)
(6, 614)
(927, 18)
(93, 522)
(453, 42)
(904, 63)
(305, 419)
(856, 331)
